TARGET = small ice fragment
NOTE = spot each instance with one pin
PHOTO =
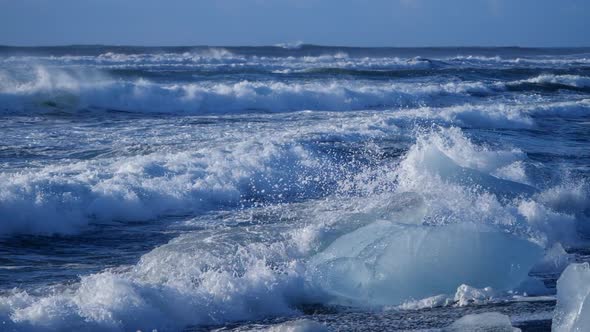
(485, 322)
(466, 295)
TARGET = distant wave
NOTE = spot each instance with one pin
(215, 59)
(526, 61)
(291, 46)
(56, 90)
(49, 89)
(552, 83)
(572, 80)
(298, 56)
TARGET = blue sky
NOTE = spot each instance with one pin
(268, 22)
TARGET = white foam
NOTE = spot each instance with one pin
(562, 109)
(218, 58)
(64, 198)
(197, 279)
(469, 115)
(493, 61)
(449, 162)
(213, 168)
(571, 80)
(496, 115)
(209, 55)
(291, 46)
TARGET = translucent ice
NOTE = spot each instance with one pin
(485, 322)
(572, 312)
(556, 259)
(387, 263)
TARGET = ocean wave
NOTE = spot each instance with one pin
(216, 59)
(496, 115)
(552, 83)
(291, 46)
(45, 89)
(572, 80)
(201, 62)
(202, 56)
(209, 55)
(523, 61)
(337, 56)
(446, 162)
(212, 169)
(64, 199)
(404, 222)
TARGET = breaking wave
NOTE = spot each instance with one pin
(405, 222)
(63, 90)
(65, 198)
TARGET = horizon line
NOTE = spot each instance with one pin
(286, 46)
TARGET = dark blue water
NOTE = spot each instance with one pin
(244, 187)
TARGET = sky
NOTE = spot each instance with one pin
(402, 23)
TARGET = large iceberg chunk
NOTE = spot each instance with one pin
(572, 312)
(386, 263)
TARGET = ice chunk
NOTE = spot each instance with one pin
(387, 263)
(466, 295)
(485, 322)
(572, 312)
(429, 302)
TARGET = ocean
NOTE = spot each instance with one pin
(290, 188)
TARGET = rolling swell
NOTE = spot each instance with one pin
(206, 80)
(59, 90)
